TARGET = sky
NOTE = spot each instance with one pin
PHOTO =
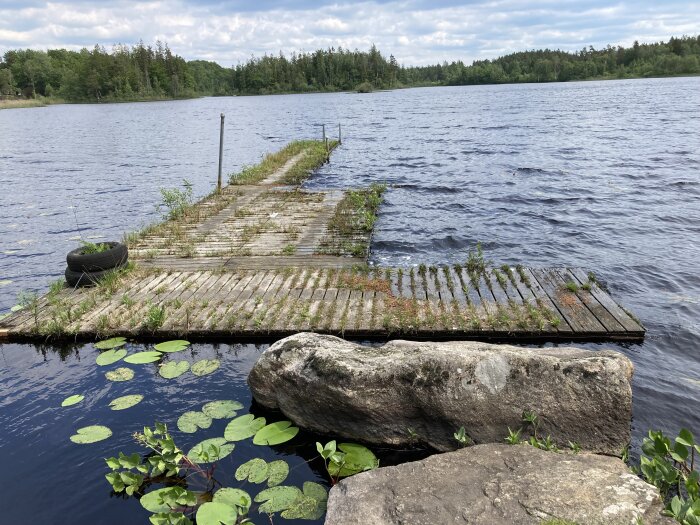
(416, 32)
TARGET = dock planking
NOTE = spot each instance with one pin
(352, 302)
(266, 260)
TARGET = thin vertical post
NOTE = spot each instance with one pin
(340, 138)
(221, 152)
(323, 126)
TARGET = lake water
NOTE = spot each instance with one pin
(601, 175)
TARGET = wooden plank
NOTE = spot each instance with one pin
(285, 318)
(585, 317)
(568, 304)
(610, 305)
(365, 323)
(196, 281)
(598, 310)
(354, 311)
(543, 299)
(511, 289)
(458, 288)
(341, 306)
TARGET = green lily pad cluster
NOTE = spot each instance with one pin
(292, 503)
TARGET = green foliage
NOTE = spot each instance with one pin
(243, 427)
(72, 400)
(205, 366)
(346, 459)
(513, 437)
(110, 356)
(258, 470)
(140, 358)
(175, 201)
(124, 402)
(670, 466)
(210, 450)
(223, 409)
(110, 344)
(120, 374)
(475, 260)
(172, 346)
(91, 434)
(275, 433)
(462, 438)
(173, 369)
(572, 287)
(91, 247)
(155, 317)
(365, 87)
(191, 420)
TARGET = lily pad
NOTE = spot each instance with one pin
(277, 499)
(243, 427)
(109, 344)
(357, 459)
(173, 369)
(210, 450)
(190, 421)
(216, 513)
(277, 472)
(91, 434)
(140, 358)
(72, 400)
(124, 402)
(255, 471)
(168, 498)
(222, 409)
(120, 374)
(110, 356)
(172, 346)
(275, 433)
(205, 366)
(233, 497)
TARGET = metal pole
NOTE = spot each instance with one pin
(324, 132)
(340, 139)
(221, 152)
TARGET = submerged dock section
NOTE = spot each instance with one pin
(264, 258)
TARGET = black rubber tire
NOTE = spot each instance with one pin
(79, 279)
(117, 255)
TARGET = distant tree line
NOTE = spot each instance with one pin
(153, 72)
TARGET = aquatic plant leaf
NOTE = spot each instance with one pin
(110, 356)
(216, 513)
(312, 506)
(205, 366)
(277, 472)
(277, 499)
(357, 459)
(210, 450)
(152, 501)
(233, 497)
(275, 433)
(91, 434)
(254, 471)
(172, 346)
(243, 427)
(173, 369)
(221, 409)
(109, 344)
(124, 402)
(190, 421)
(120, 374)
(140, 358)
(72, 400)
(169, 518)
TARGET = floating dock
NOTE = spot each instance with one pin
(265, 260)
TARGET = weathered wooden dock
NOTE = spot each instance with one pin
(264, 260)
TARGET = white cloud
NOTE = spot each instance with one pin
(415, 31)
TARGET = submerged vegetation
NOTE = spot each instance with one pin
(153, 72)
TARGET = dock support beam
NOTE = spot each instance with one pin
(340, 138)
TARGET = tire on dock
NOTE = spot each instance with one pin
(116, 256)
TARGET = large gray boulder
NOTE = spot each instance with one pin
(420, 393)
(497, 484)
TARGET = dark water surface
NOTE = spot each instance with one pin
(602, 175)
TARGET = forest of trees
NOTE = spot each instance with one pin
(154, 72)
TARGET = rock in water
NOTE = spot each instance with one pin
(498, 484)
(407, 393)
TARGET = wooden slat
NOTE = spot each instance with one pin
(610, 305)
(542, 298)
(604, 317)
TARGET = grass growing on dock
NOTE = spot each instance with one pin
(353, 218)
(315, 155)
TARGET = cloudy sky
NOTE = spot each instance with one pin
(415, 31)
